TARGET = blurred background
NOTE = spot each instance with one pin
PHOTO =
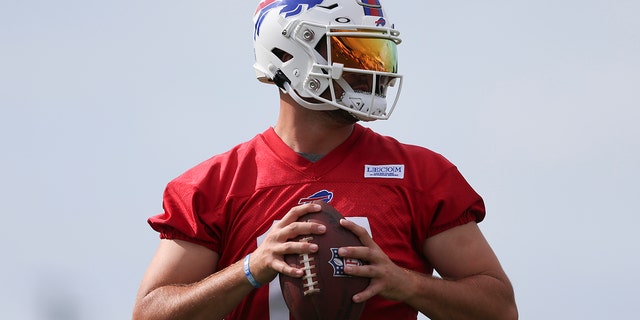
(103, 102)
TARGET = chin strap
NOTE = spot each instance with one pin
(320, 106)
(280, 79)
(283, 82)
(362, 105)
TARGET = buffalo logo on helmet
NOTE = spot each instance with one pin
(289, 8)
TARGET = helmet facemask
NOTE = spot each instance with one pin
(354, 70)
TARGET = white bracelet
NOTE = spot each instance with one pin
(248, 274)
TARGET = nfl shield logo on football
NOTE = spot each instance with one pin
(338, 263)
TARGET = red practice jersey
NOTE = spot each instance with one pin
(401, 193)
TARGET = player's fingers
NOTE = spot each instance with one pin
(359, 231)
(297, 247)
(303, 228)
(365, 271)
(284, 268)
(362, 253)
(369, 292)
(297, 212)
(287, 233)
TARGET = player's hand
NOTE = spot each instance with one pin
(268, 259)
(387, 279)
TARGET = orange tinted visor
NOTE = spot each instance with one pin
(373, 54)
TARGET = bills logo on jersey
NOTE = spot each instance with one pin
(289, 8)
(323, 195)
(339, 263)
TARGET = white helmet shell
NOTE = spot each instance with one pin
(329, 55)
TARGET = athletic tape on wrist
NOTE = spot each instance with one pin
(248, 274)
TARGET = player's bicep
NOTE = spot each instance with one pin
(178, 262)
(461, 252)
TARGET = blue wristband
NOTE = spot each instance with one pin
(248, 274)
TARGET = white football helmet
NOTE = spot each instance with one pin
(329, 54)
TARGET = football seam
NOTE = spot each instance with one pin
(309, 279)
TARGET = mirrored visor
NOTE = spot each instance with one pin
(374, 54)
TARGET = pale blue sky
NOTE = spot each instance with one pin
(103, 102)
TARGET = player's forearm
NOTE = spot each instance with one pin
(476, 297)
(211, 298)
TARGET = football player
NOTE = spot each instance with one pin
(227, 221)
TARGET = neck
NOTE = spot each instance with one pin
(309, 131)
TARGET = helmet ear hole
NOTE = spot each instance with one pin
(282, 55)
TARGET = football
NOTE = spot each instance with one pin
(324, 292)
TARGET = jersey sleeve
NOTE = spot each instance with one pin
(184, 208)
(455, 203)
